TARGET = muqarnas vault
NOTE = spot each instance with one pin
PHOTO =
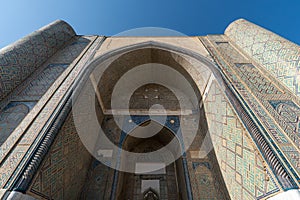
(246, 85)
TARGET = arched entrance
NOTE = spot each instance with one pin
(151, 173)
(175, 180)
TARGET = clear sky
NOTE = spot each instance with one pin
(200, 17)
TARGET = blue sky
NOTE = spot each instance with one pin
(21, 17)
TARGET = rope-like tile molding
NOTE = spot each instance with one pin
(35, 161)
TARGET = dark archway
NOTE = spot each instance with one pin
(151, 173)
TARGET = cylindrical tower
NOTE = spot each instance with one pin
(20, 59)
(277, 55)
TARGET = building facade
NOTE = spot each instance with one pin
(228, 104)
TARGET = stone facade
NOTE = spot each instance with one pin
(246, 84)
(63, 172)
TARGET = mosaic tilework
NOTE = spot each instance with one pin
(64, 169)
(254, 78)
(38, 117)
(63, 57)
(228, 51)
(32, 89)
(288, 115)
(244, 172)
(250, 74)
(204, 171)
(16, 111)
(257, 88)
(20, 59)
(278, 55)
(11, 116)
(72, 50)
(38, 87)
(204, 183)
(98, 184)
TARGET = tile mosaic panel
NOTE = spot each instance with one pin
(257, 89)
(72, 50)
(38, 117)
(20, 59)
(64, 169)
(35, 90)
(11, 116)
(30, 92)
(204, 183)
(64, 56)
(98, 184)
(14, 112)
(276, 54)
(243, 169)
(255, 80)
(288, 115)
(229, 52)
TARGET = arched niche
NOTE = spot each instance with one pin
(168, 181)
(105, 71)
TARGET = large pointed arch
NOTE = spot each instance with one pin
(229, 93)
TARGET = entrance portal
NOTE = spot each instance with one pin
(161, 90)
(153, 179)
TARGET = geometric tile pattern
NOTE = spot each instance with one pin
(11, 116)
(30, 92)
(20, 59)
(259, 90)
(250, 74)
(289, 113)
(255, 80)
(277, 55)
(26, 135)
(36, 89)
(14, 113)
(244, 171)
(228, 52)
(63, 57)
(205, 174)
(36, 85)
(64, 169)
(98, 183)
(72, 50)
(203, 180)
